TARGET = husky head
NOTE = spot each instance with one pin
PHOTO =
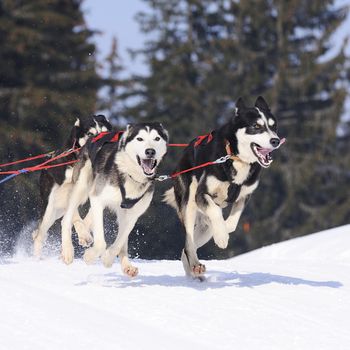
(146, 145)
(90, 126)
(256, 132)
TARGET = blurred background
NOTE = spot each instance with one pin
(184, 63)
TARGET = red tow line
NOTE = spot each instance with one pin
(47, 165)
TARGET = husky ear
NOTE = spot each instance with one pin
(261, 104)
(128, 130)
(164, 132)
(129, 127)
(101, 118)
(240, 104)
(125, 135)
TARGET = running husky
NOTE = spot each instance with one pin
(118, 172)
(56, 183)
(201, 196)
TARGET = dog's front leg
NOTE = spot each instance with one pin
(236, 212)
(126, 220)
(92, 253)
(127, 268)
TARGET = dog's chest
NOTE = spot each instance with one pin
(224, 192)
(240, 172)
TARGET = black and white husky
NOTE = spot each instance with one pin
(119, 175)
(210, 200)
(56, 183)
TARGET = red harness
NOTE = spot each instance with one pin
(115, 138)
(201, 138)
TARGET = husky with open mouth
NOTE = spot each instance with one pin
(56, 183)
(210, 200)
(118, 172)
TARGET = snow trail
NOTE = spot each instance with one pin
(291, 295)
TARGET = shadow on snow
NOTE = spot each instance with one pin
(214, 280)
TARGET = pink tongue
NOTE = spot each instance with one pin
(264, 151)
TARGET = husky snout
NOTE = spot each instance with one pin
(150, 152)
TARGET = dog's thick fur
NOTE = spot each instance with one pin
(210, 200)
(56, 183)
(119, 176)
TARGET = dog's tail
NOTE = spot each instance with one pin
(169, 198)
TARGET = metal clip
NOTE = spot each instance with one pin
(222, 159)
(163, 177)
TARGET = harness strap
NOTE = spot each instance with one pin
(127, 203)
(27, 159)
(201, 138)
(178, 144)
(230, 153)
(116, 137)
(99, 136)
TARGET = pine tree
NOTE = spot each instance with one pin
(110, 101)
(205, 54)
(47, 78)
(308, 99)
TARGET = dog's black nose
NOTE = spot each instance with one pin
(150, 152)
(275, 142)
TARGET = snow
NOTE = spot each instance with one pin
(291, 295)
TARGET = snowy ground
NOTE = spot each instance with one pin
(292, 295)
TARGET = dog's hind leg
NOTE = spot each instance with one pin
(189, 258)
(202, 234)
(51, 214)
(79, 196)
(203, 231)
(83, 228)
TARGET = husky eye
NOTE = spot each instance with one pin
(139, 139)
(256, 126)
(157, 138)
(90, 134)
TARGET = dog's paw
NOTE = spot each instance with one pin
(86, 241)
(91, 255)
(108, 258)
(130, 271)
(198, 270)
(85, 238)
(221, 240)
(67, 254)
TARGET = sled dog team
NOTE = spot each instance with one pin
(118, 170)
